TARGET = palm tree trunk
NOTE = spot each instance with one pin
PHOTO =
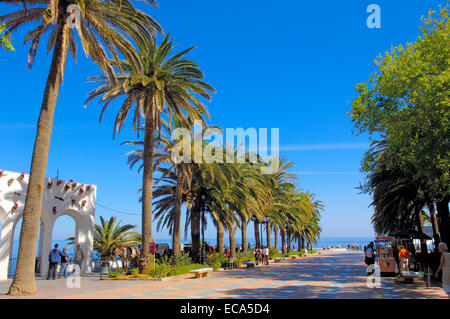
(24, 279)
(231, 233)
(176, 232)
(257, 238)
(444, 220)
(283, 240)
(220, 234)
(268, 226)
(244, 234)
(275, 229)
(434, 225)
(289, 240)
(195, 232)
(147, 192)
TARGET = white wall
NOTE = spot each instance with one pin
(54, 196)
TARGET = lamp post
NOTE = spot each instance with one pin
(203, 253)
(261, 233)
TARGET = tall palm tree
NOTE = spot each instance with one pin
(176, 175)
(102, 24)
(163, 84)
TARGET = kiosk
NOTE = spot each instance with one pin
(385, 246)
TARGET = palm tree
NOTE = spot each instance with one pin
(177, 175)
(109, 236)
(163, 84)
(102, 24)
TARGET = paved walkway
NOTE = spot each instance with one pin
(333, 274)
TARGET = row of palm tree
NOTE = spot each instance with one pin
(162, 90)
(233, 194)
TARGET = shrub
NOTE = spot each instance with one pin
(115, 273)
(160, 271)
(184, 269)
(273, 251)
(243, 257)
(216, 260)
(181, 260)
(134, 271)
(296, 253)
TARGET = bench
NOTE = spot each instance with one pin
(202, 272)
(408, 276)
(277, 259)
(293, 257)
(250, 264)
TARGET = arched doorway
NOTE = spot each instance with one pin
(65, 227)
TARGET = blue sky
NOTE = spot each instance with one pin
(291, 65)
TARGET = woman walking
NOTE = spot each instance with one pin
(445, 267)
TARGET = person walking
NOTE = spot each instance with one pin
(445, 267)
(403, 255)
(266, 254)
(263, 256)
(78, 256)
(369, 257)
(64, 262)
(230, 261)
(54, 257)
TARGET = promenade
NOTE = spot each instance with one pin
(335, 274)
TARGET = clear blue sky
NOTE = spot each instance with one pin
(290, 65)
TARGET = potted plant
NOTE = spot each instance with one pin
(14, 208)
(1, 173)
(54, 210)
(81, 190)
(21, 176)
(66, 187)
(74, 185)
(10, 181)
(59, 182)
(49, 185)
(83, 203)
(73, 202)
(88, 188)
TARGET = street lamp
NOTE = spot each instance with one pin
(203, 253)
(261, 233)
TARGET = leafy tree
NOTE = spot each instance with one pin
(406, 103)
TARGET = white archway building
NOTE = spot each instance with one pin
(60, 198)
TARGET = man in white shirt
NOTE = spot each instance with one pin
(266, 254)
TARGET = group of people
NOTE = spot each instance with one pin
(262, 255)
(404, 256)
(61, 257)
